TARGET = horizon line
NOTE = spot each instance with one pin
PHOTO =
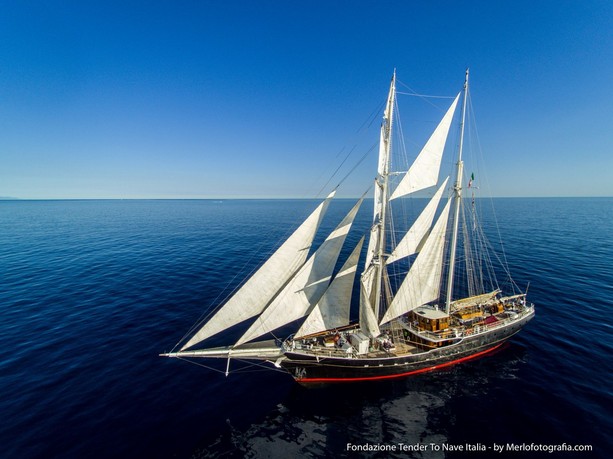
(255, 198)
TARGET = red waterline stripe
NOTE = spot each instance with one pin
(399, 375)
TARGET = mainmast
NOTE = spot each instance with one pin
(457, 198)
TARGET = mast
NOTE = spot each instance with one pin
(383, 183)
(457, 198)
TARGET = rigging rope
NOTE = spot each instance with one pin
(358, 163)
(423, 95)
(239, 370)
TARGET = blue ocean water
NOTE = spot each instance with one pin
(92, 291)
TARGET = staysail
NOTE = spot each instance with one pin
(306, 287)
(251, 299)
(422, 283)
(424, 171)
(412, 239)
(332, 310)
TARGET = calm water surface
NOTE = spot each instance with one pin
(92, 291)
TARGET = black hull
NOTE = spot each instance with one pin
(307, 368)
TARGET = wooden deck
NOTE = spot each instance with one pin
(399, 350)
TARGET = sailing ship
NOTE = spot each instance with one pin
(437, 312)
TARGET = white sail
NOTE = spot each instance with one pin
(368, 321)
(306, 287)
(368, 279)
(293, 291)
(251, 299)
(386, 127)
(412, 239)
(422, 283)
(373, 242)
(376, 242)
(382, 172)
(424, 171)
(333, 309)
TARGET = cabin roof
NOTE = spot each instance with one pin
(431, 313)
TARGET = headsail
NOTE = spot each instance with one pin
(306, 287)
(412, 239)
(333, 309)
(424, 171)
(422, 283)
(251, 299)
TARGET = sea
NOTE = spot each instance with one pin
(92, 291)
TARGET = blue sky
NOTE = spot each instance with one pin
(191, 99)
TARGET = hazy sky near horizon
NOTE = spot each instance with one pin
(197, 99)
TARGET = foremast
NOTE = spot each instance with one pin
(457, 195)
(373, 275)
(383, 183)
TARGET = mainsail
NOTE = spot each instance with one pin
(251, 299)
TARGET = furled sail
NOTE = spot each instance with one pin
(412, 239)
(368, 321)
(373, 243)
(382, 171)
(251, 299)
(424, 171)
(422, 283)
(306, 287)
(368, 279)
(332, 310)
